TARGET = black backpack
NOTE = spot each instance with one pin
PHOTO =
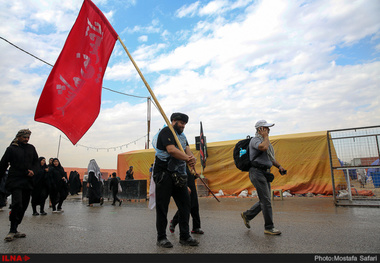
(241, 155)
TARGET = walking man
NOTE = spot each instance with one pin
(169, 175)
(263, 158)
(23, 161)
(114, 187)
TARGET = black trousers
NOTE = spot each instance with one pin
(20, 202)
(165, 189)
(57, 197)
(194, 209)
(115, 198)
(39, 198)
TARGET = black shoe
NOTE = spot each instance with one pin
(113, 204)
(189, 242)
(101, 201)
(120, 202)
(164, 243)
(171, 227)
(36, 214)
(197, 231)
(19, 235)
(43, 213)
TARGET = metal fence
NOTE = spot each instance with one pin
(355, 169)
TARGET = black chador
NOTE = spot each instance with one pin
(41, 187)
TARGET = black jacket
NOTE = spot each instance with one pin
(20, 158)
(114, 184)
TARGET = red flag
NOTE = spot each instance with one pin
(203, 148)
(70, 100)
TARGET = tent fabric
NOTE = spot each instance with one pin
(305, 156)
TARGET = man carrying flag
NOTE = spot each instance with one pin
(170, 177)
(75, 82)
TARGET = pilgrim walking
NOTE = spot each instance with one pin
(22, 158)
(58, 185)
(94, 184)
(41, 188)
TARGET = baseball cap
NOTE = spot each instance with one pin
(263, 123)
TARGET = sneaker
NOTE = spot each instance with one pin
(164, 243)
(55, 212)
(9, 237)
(246, 221)
(197, 231)
(189, 242)
(272, 231)
(120, 202)
(171, 227)
(60, 211)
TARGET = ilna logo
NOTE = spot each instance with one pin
(14, 258)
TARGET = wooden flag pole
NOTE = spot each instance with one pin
(153, 96)
(158, 105)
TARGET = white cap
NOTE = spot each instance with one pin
(263, 123)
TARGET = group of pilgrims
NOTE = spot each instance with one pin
(51, 181)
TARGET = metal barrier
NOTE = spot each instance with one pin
(132, 189)
(355, 169)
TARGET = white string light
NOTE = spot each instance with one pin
(107, 149)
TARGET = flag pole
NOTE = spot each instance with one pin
(59, 145)
(153, 96)
(158, 105)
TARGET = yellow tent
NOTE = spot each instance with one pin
(305, 156)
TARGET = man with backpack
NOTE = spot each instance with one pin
(262, 158)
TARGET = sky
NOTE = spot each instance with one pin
(304, 65)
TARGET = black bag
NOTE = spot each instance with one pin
(241, 155)
(269, 176)
(180, 180)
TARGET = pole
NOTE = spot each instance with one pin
(208, 188)
(59, 145)
(153, 96)
(149, 118)
(158, 104)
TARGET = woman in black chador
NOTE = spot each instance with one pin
(41, 188)
(94, 184)
(58, 185)
(74, 183)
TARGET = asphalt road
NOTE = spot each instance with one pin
(309, 225)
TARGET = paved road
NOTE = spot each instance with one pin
(309, 225)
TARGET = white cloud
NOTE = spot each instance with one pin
(143, 38)
(187, 10)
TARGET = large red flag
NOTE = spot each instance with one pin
(71, 97)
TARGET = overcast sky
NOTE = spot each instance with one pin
(304, 65)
